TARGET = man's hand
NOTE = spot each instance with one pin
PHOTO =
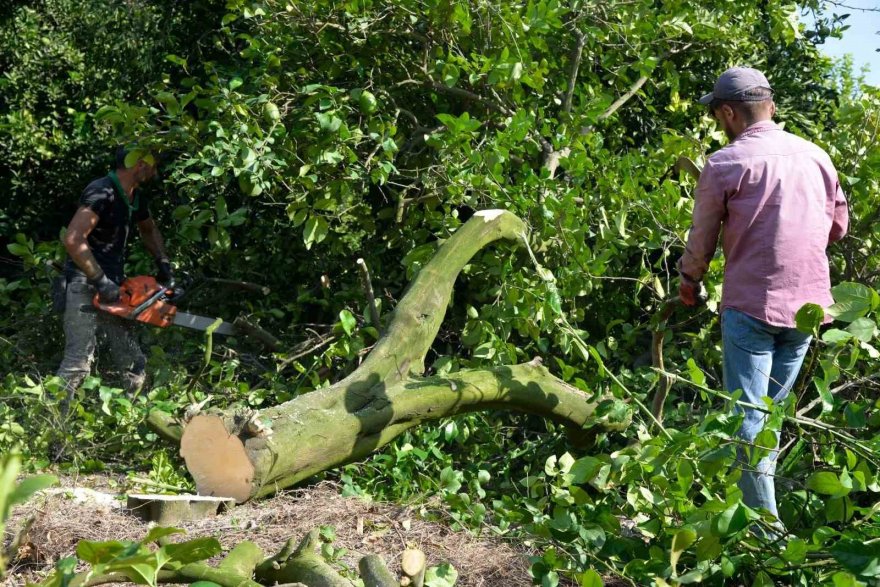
(108, 291)
(688, 291)
(165, 274)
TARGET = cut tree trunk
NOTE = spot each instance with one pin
(245, 455)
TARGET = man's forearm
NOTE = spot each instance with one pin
(153, 242)
(84, 259)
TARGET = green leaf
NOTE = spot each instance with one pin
(851, 301)
(450, 74)
(836, 336)
(449, 480)
(843, 579)
(590, 578)
(730, 521)
(10, 464)
(348, 322)
(103, 552)
(795, 551)
(696, 374)
(680, 542)
(18, 250)
(209, 339)
(550, 579)
(708, 548)
(158, 532)
(191, 551)
(248, 185)
(142, 573)
(328, 122)
(484, 351)
(858, 557)
(863, 329)
(827, 483)
(584, 469)
(809, 318)
(30, 486)
(443, 575)
(315, 230)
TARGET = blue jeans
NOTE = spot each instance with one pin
(763, 361)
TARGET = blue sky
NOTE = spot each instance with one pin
(860, 40)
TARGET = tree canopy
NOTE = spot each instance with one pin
(299, 136)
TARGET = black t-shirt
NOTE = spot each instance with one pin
(115, 218)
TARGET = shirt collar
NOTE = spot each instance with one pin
(758, 127)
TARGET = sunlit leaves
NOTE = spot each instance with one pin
(809, 318)
(852, 301)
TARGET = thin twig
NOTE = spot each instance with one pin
(367, 284)
(836, 390)
(617, 103)
(308, 351)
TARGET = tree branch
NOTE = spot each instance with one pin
(367, 284)
(617, 104)
(577, 53)
(467, 95)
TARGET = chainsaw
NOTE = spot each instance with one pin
(144, 299)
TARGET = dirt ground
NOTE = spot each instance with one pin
(88, 510)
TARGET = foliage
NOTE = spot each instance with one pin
(139, 562)
(12, 493)
(300, 136)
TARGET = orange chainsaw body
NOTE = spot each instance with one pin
(133, 292)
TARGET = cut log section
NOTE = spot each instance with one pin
(413, 563)
(170, 509)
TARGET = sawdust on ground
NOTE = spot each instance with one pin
(62, 519)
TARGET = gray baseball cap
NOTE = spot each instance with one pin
(739, 84)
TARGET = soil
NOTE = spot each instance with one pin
(89, 509)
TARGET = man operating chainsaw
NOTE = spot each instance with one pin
(778, 200)
(95, 241)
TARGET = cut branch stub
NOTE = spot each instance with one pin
(384, 397)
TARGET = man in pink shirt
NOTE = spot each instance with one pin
(776, 199)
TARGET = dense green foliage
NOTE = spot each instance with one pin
(301, 135)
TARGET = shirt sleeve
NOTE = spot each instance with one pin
(840, 220)
(709, 210)
(97, 199)
(143, 211)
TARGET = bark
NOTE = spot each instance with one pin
(242, 559)
(302, 564)
(374, 572)
(229, 456)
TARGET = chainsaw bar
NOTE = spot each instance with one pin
(202, 323)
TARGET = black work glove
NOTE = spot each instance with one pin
(108, 291)
(165, 275)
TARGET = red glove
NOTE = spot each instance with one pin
(688, 291)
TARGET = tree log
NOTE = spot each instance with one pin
(374, 572)
(242, 559)
(384, 397)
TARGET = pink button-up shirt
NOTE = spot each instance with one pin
(779, 202)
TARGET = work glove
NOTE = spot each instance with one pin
(688, 291)
(108, 291)
(165, 275)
